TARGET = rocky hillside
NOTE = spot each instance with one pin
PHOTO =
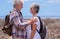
(53, 26)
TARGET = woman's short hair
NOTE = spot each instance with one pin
(36, 7)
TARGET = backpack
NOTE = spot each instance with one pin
(43, 30)
(7, 26)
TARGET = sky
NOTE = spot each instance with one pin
(48, 8)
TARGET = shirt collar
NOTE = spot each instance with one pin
(16, 10)
(35, 15)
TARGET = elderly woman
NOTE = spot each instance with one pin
(32, 30)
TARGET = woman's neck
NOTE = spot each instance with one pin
(34, 14)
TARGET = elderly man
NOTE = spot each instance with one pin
(16, 19)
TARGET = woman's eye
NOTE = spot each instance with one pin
(30, 8)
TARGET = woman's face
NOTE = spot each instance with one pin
(32, 10)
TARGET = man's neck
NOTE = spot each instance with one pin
(17, 9)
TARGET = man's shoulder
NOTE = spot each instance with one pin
(13, 13)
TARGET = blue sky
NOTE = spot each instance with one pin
(48, 8)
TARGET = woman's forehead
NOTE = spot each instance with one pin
(31, 6)
(34, 5)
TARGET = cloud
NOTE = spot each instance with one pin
(31, 0)
(10, 1)
(53, 1)
(27, 0)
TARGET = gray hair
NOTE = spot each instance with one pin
(17, 2)
(36, 7)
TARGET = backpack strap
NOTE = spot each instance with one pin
(43, 29)
(21, 13)
(41, 25)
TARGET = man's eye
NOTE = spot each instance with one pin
(31, 8)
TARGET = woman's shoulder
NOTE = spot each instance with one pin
(37, 20)
(36, 17)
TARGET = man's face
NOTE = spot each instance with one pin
(19, 6)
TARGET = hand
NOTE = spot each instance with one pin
(33, 20)
(22, 28)
(31, 38)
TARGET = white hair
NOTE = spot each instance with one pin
(18, 2)
(35, 6)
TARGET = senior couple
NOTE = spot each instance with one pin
(19, 28)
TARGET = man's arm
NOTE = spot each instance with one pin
(16, 20)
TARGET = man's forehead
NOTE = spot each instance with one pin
(18, 1)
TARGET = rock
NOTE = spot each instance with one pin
(53, 26)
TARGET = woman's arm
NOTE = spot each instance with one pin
(34, 27)
(32, 20)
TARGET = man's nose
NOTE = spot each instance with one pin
(22, 6)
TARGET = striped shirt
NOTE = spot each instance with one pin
(16, 19)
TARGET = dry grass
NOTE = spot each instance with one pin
(53, 26)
